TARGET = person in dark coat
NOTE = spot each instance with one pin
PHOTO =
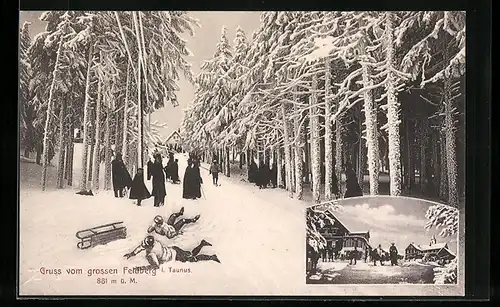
(121, 177)
(352, 187)
(263, 175)
(191, 185)
(252, 172)
(198, 180)
(393, 253)
(159, 192)
(149, 165)
(168, 168)
(283, 175)
(174, 171)
(138, 190)
(274, 174)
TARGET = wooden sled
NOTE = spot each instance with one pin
(101, 235)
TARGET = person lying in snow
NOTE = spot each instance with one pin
(171, 228)
(157, 254)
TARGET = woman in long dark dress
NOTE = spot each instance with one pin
(352, 187)
(159, 192)
(252, 172)
(139, 190)
(188, 181)
(197, 179)
(174, 171)
(121, 177)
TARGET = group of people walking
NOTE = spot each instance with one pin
(263, 175)
(159, 175)
(266, 175)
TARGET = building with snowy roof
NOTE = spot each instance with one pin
(437, 251)
(174, 140)
(342, 238)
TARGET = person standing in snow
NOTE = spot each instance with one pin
(157, 253)
(192, 181)
(174, 172)
(252, 172)
(214, 171)
(138, 190)
(378, 254)
(352, 186)
(274, 174)
(393, 253)
(121, 177)
(159, 192)
(353, 256)
(171, 228)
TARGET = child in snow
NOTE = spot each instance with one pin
(171, 228)
(157, 254)
(138, 190)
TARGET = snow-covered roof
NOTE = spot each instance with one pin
(351, 227)
(433, 246)
(172, 134)
(449, 251)
(415, 246)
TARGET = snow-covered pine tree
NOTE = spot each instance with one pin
(26, 109)
(315, 141)
(58, 35)
(97, 148)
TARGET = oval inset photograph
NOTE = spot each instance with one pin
(382, 240)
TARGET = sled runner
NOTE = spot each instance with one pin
(101, 235)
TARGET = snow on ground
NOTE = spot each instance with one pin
(258, 250)
(257, 234)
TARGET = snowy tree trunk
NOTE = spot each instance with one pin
(71, 150)
(361, 155)
(450, 145)
(107, 149)
(423, 153)
(60, 164)
(443, 176)
(315, 142)
(83, 178)
(328, 134)
(140, 114)
(393, 120)
(118, 132)
(125, 116)
(371, 125)
(45, 153)
(279, 161)
(339, 148)
(298, 153)
(68, 140)
(288, 154)
(97, 147)
(228, 165)
(249, 157)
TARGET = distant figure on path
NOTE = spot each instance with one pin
(138, 190)
(274, 174)
(121, 177)
(214, 171)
